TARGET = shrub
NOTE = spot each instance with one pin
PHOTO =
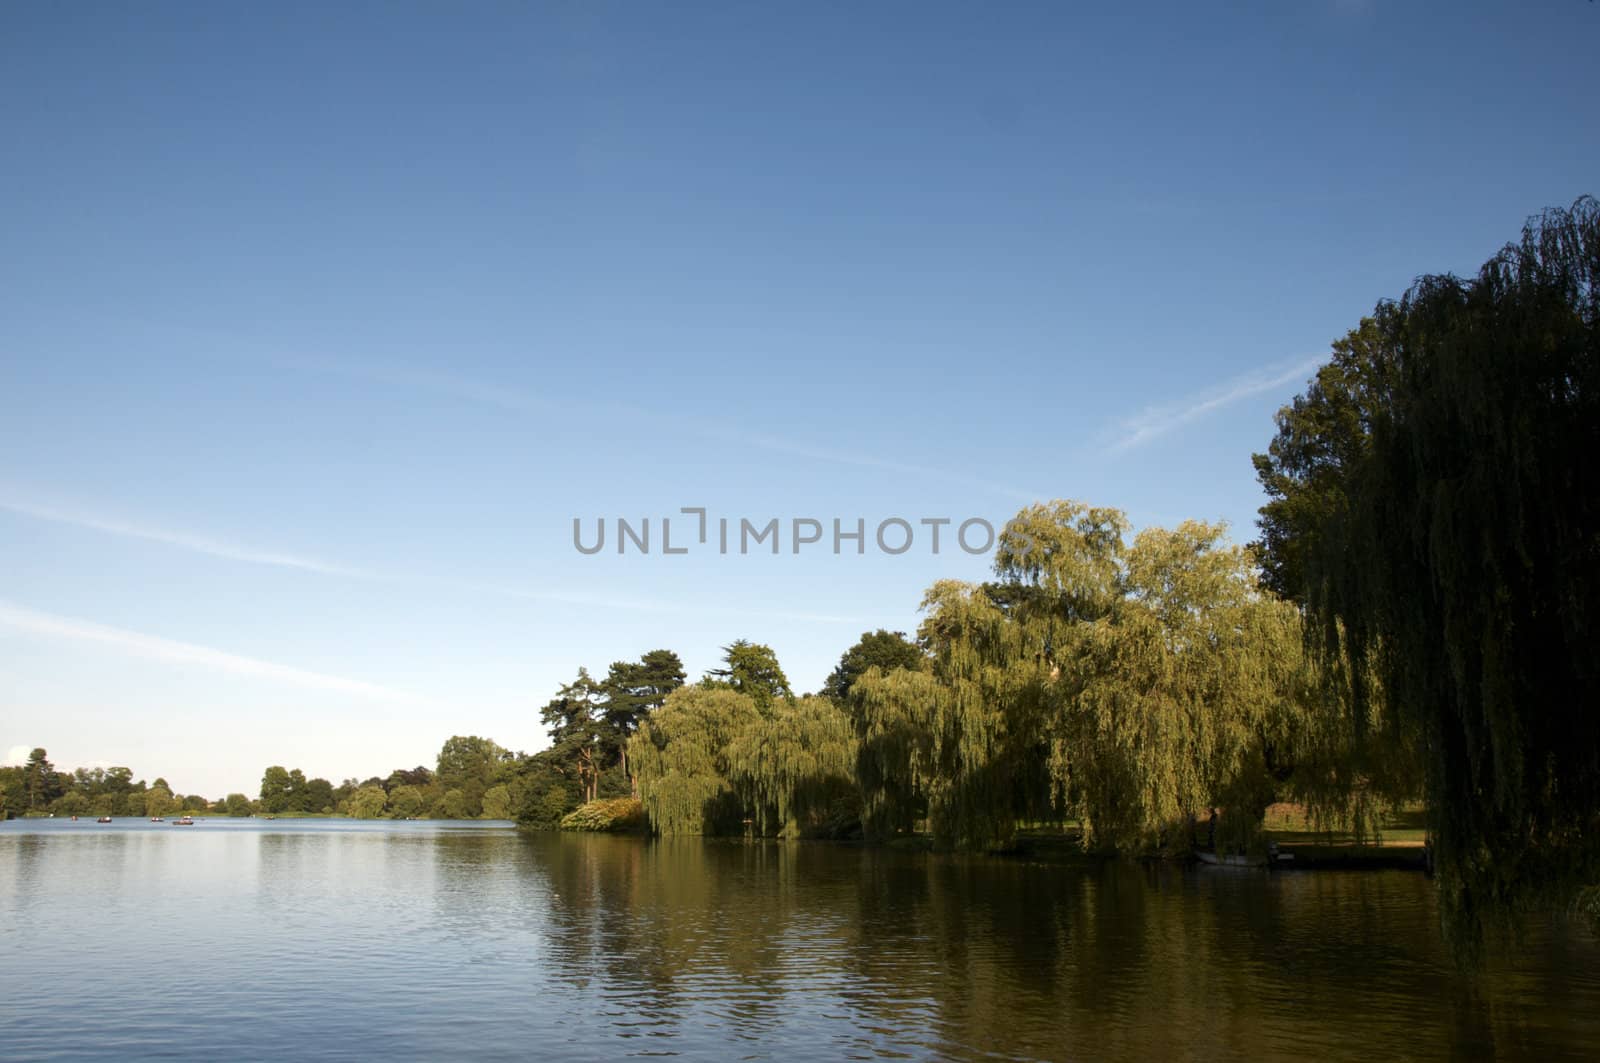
(614, 814)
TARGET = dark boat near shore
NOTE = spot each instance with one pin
(186, 821)
(1273, 858)
(1228, 859)
(103, 819)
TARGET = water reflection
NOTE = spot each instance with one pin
(413, 941)
(881, 951)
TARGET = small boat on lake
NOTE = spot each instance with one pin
(157, 819)
(1216, 859)
(103, 819)
(186, 821)
(1227, 859)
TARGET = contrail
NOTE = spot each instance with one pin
(1157, 421)
(155, 648)
(198, 544)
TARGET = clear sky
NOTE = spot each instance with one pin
(319, 323)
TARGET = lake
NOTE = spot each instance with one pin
(340, 939)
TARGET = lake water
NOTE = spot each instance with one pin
(355, 940)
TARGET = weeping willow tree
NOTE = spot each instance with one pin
(679, 757)
(964, 741)
(1125, 685)
(1182, 697)
(795, 769)
(954, 742)
(1432, 508)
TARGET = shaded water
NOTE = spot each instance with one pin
(351, 940)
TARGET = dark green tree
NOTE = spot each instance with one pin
(1432, 508)
(633, 690)
(297, 791)
(418, 776)
(41, 783)
(578, 733)
(13, 790)
(543, 792)
(884, 650)
(277, 790)
(469, 765)
(406, 802)
(752, 669)
(318, 796)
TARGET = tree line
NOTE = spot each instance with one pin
(473, 778)
(37, 788)
(1415, 621)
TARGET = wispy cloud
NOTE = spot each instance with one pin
(869, 461)
(501, 397)
(644, 605)
(449, 385)
(170, 651)
(12, 502)
(79, 517)
(1155, 421)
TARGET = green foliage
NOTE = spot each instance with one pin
(962, 741)
(591, 721)
(316, 797)
(615, 815)
(97, 791)
(1431, 509)
(406, 802)
(283, 790)
(680, 760)
(884, 650)
(795, 769)
(71, 803)
(452, 804)
(577, 732)
(1129, 686)
(13, 792)
(368, 802)
(542, 795)
(418, 777)
(1188, 694)
(1321, 435)
(633, 690)
(895, 762)
(752, 669)
(113, 792)
(40, 782)
(470, 766)
(158, 801)
(497, 802)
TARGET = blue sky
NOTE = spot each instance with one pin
(319, 324)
